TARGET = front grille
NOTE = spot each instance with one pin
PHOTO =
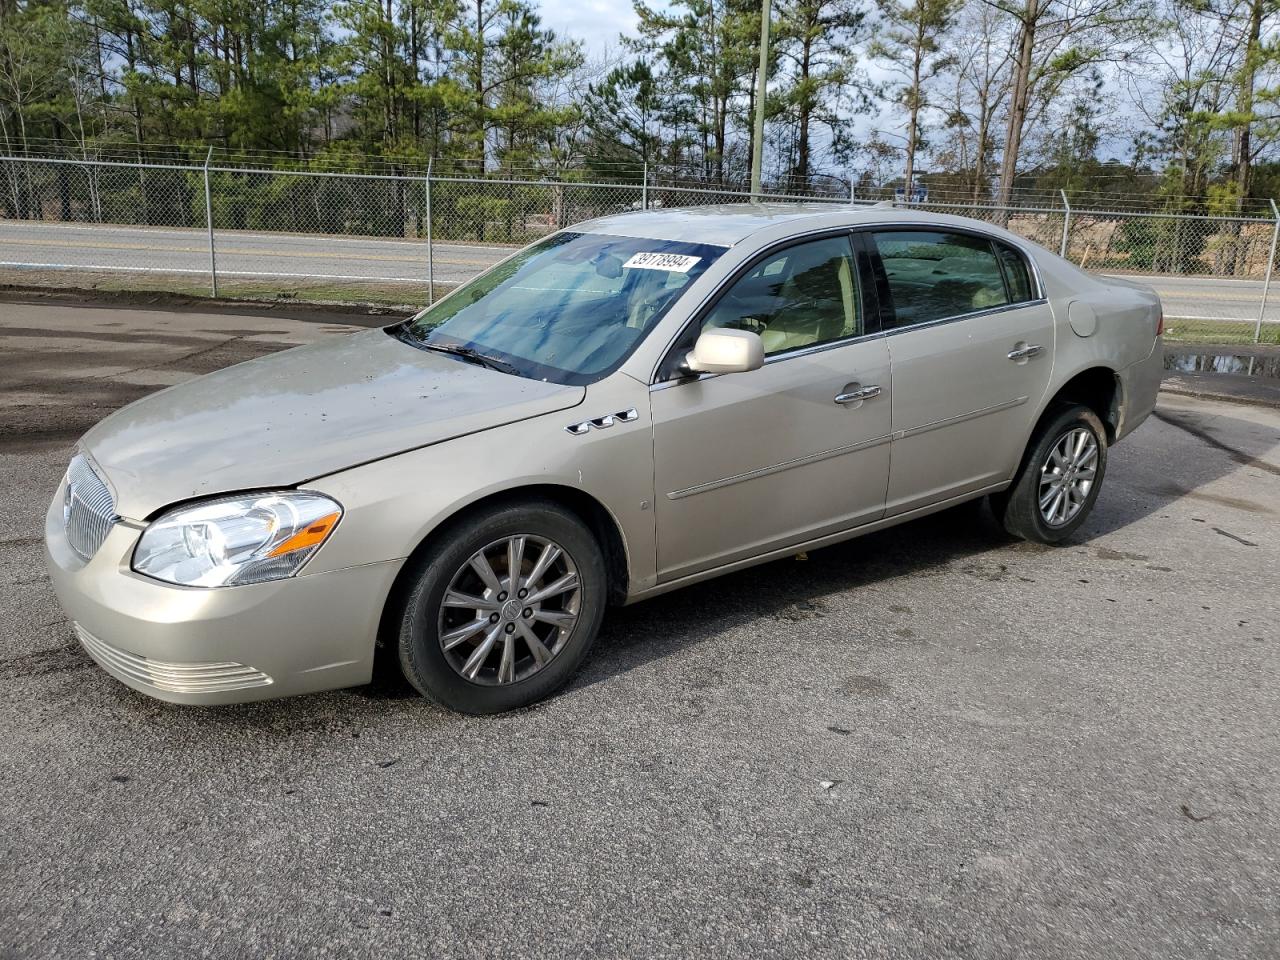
(87, 509)
(171, 677)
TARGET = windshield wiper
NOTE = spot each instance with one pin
(470, 354)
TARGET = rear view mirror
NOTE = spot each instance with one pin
(725, 351)
(609, 267)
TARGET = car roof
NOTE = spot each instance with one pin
(728, 224)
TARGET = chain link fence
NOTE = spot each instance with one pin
(405, 239)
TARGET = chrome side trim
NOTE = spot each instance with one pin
(777, 468)
(952, 421)
(790, 549)
(167, 676)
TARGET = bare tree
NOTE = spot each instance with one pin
(980, 81)
(1055, 40)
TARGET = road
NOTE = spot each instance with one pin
(1211, 298)
(930, 742)
(51, 246)
(47, 246)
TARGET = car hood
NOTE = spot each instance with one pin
(290, 417)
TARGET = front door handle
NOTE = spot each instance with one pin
(853, 396)
(1026, 353)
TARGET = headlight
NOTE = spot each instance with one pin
(247, 539)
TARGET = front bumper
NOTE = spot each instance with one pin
(217, 646)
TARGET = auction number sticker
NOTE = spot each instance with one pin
(671, 262)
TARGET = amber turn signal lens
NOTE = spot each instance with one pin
(309, 536)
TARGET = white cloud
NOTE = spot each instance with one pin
(597, 23)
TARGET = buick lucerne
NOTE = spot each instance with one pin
(625, 407)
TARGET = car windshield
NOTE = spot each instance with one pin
(569, 309)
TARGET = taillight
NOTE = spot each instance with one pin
(1160, 323)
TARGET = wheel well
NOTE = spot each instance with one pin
(1098, 389)
(586, 507)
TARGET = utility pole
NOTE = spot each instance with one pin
(762, 78)
(208, 220)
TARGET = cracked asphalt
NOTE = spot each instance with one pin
(929, 742)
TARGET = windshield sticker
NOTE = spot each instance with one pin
(671, 262)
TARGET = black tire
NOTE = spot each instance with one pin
(423, 660)
(1018, 508)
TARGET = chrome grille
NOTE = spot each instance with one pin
(172, 677)
(87, 508)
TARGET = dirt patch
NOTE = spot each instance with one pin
(366, 315)
(861, 686)
(41, 663)
(987, 571)
(1106, 553)
(803, 610)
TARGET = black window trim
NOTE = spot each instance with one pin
(882, 280)
(868, 302)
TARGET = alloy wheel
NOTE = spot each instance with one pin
(1067, 476)
(509, 610)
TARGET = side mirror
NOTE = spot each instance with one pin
(725, 351)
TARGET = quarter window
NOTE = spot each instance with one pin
(802, 296)
(1015, 273)
(933, 275)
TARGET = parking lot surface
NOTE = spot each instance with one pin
(928, 742)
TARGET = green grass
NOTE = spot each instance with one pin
(397, 295)
(1218, 331)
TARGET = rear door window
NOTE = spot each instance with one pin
(933, 275)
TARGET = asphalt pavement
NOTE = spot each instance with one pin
(105, 249)
(37, 248)
(928, 742)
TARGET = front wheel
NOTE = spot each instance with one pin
(503, 612)
(1059, 480)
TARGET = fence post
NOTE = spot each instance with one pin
(1066, 224)
(431, 260)
(1266, 284)
(208, 219)
(644, 188)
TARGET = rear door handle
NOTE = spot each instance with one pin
(1025, 353)
(853, 396)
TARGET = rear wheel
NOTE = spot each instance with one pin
(505, 610)
(1060, 477)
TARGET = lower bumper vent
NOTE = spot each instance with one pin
(171, 677)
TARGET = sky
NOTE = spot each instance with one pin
(595, 22)
(599, 23)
